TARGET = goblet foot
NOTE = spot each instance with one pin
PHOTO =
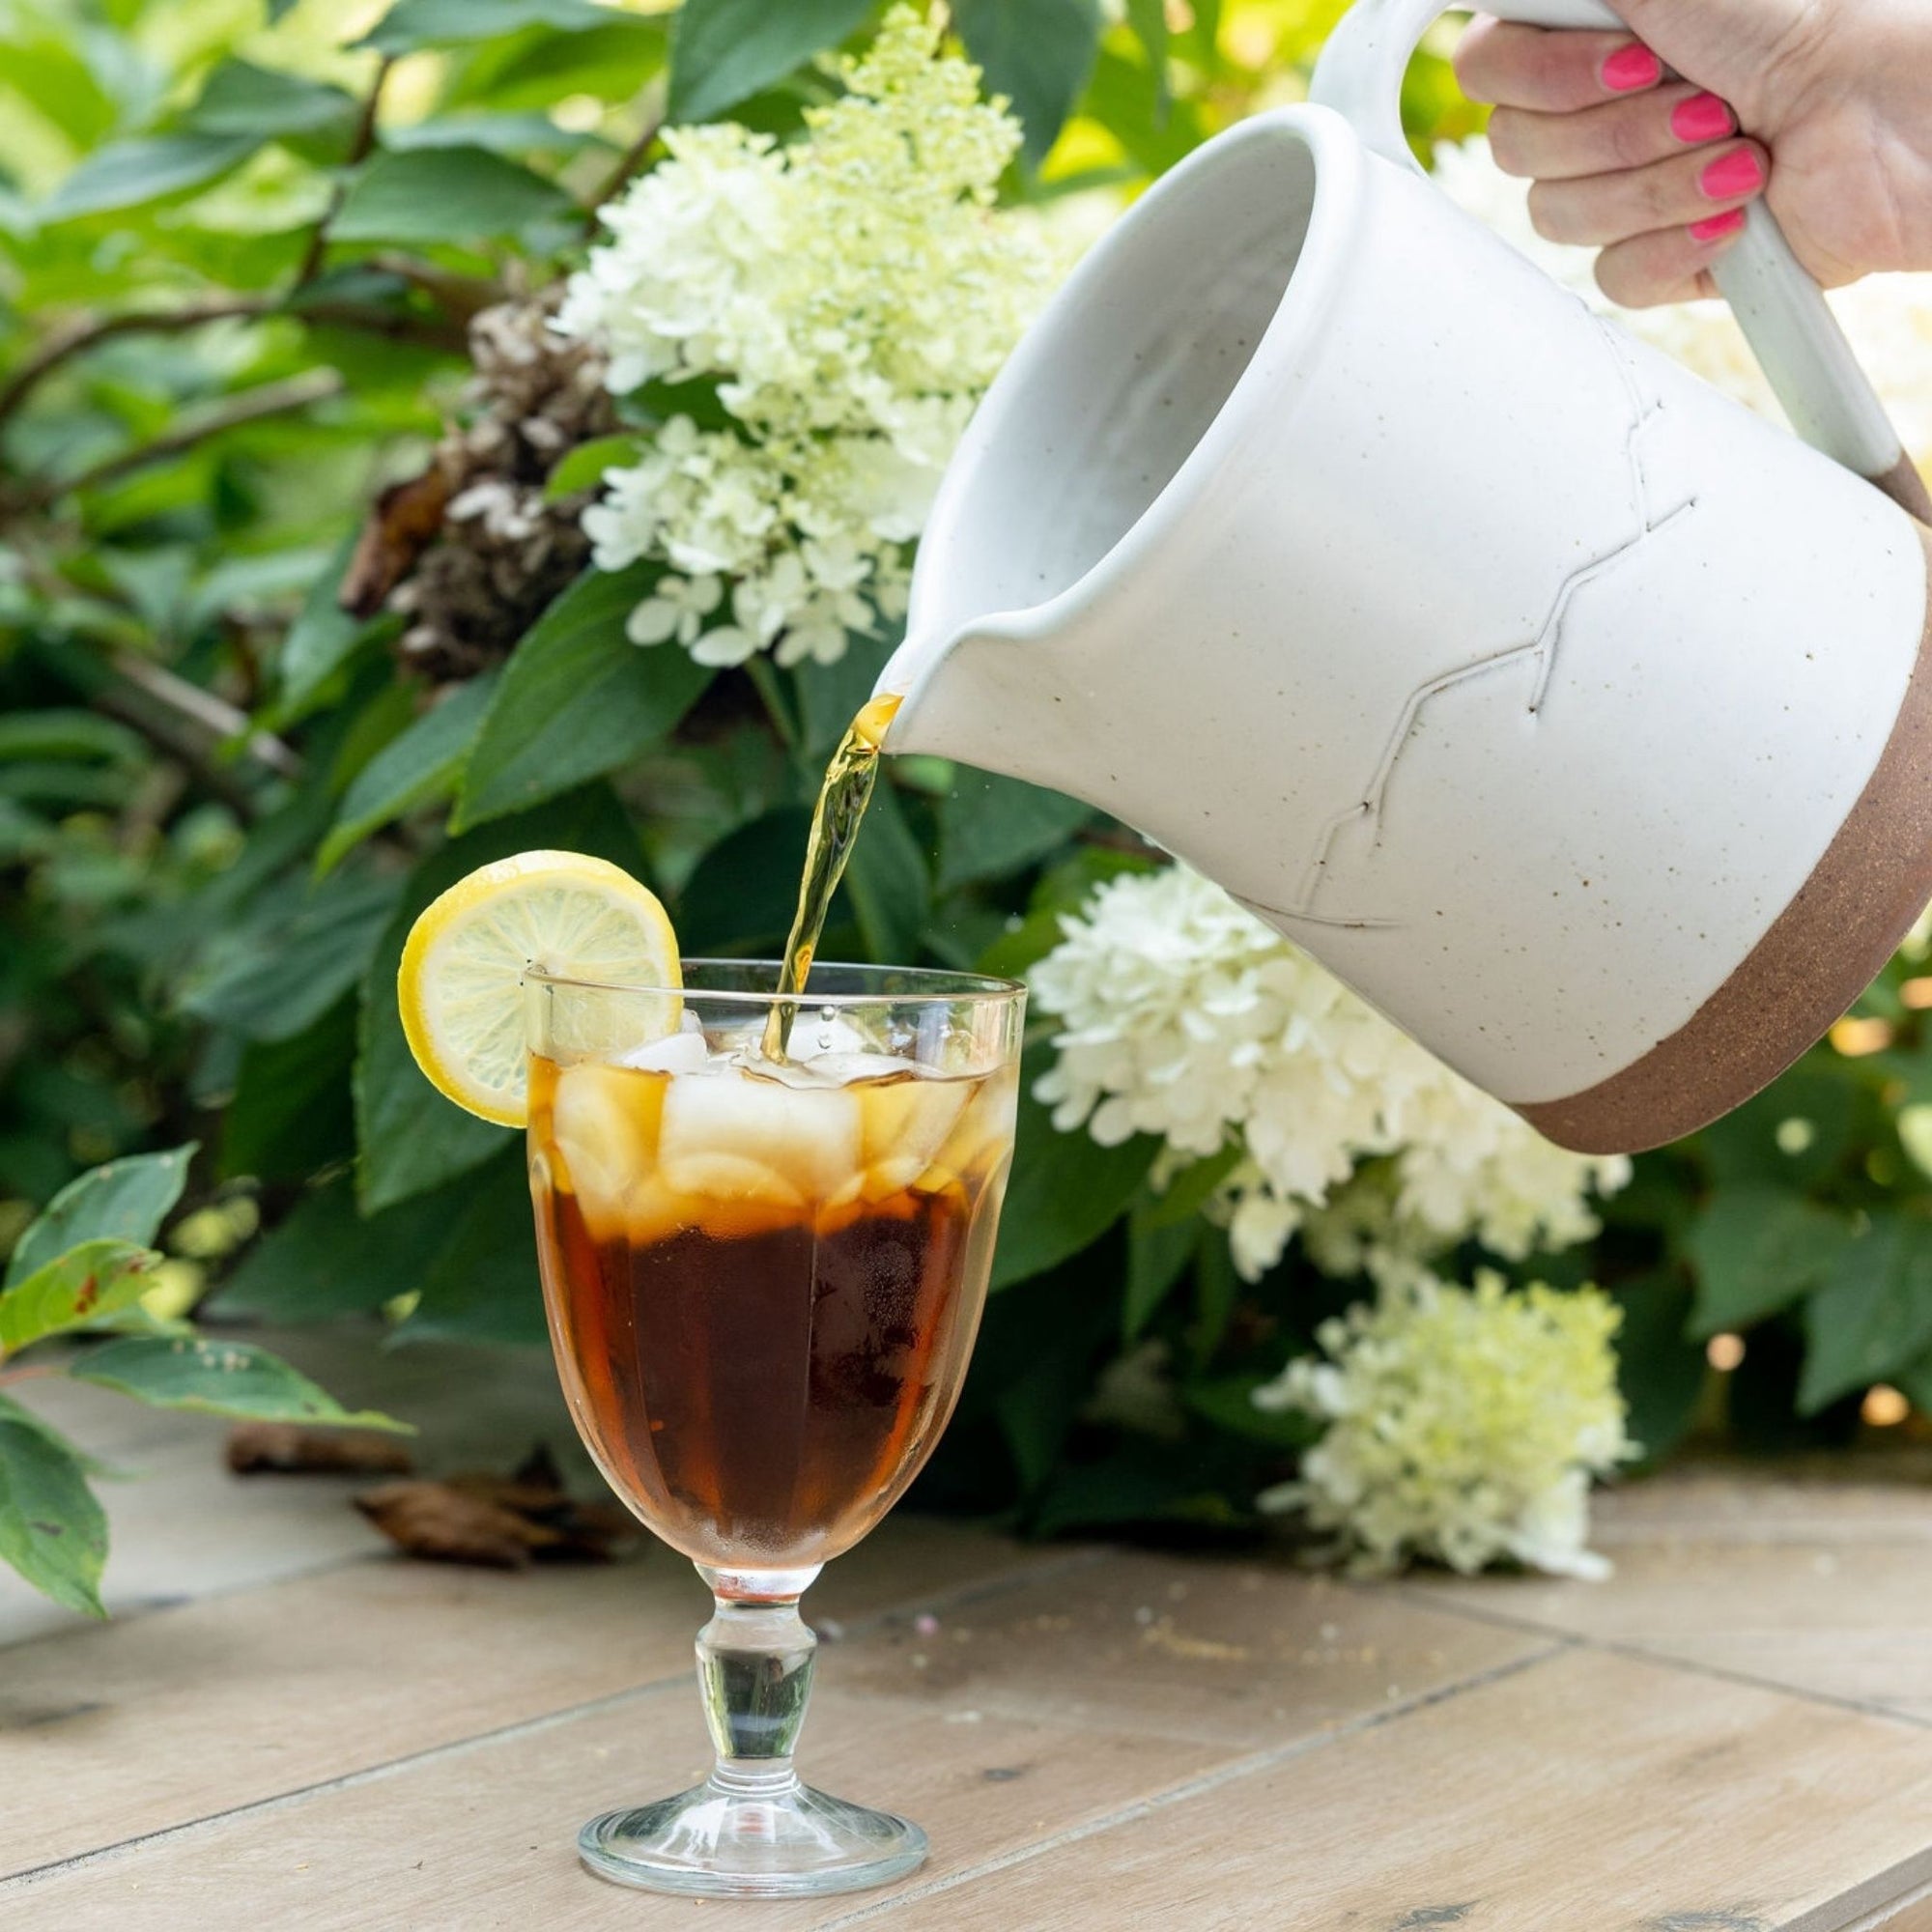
(785, 1842)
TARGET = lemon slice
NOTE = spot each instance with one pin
(459, 987)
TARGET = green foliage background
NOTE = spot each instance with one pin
(238, 250)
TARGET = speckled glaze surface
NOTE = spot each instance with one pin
(1527, 682)
(1819, 955)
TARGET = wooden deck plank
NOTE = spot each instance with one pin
(1238, 1653)
(1875, 1496)
(173, 1715)
(1846, 1619)
(1584, 1793)
(483, 1836)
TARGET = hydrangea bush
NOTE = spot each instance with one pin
(512, 430)
(1460, 1423)
(843, 301)
(1183, 1015)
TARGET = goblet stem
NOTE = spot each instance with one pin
(754, 1664)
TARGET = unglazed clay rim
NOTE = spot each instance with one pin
(1820, 953)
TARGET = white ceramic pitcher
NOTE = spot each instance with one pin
(1579, 719)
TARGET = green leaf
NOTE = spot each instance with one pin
(327, 1259)
(991, 826)
(577, 699)
(1180, 1201)
(1217, 1288)
(583, 467)
(1066, 1190)
(1227, 1402)
(12, 1412)
(830, 695)
(886, 878)
(1141, 1482)
(1035, 52)
(1755, 1250)
(130, 173)
(1822, 1095)
(126, 1199)
(300, 970)
(412, 24)
(482, 1285)
(52, 1529)
(411, 1138)
(1021, 947)
(83, 1284)
(725, 50)
(219, 1377)
(1148, 20)
(445, 194)
(1660, 1373)
(1157, 1255)
(742, 891)
(537, 66)
(1873, 1316)
(57, 733)
(322, 640)
(291, 1113)
(419, 767)
(529, 133)
(240, 97)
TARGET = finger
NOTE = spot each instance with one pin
(1605, 208)
(1619, 136)
(1552, 73)
(1669, 265)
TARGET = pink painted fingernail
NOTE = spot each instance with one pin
(1738, 173)
(1630, 69)
(1702, 117)
(1718, 226)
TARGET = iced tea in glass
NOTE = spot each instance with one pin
(763, 1276)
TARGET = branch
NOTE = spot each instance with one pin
(464, 297)
(71, 341)
(629, 162)
(179, 740)
(204, 708)
(298, 392)
(396, 325)
(359, 143)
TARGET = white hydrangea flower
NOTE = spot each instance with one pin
(1183, 1015)
(1888, 318)
(1464, 1425)
(851, 296)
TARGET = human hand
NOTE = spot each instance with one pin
(1831, 97)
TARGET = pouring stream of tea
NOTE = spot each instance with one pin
(842, 800)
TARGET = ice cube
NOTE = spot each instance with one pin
(985, 1133)
(806, 1137)
(601, 1125)
(681, 1053)
(907, 1120)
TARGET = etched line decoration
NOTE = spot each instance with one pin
(1542, 649)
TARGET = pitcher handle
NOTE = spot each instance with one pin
(1784, 316)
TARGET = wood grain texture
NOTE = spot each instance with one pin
(1850, 1619)
(182, 1713)
(1245, 1654)
(482, 1836)
(1584, 1793)
(291, 1728)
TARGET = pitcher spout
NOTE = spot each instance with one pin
(1000, 695)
